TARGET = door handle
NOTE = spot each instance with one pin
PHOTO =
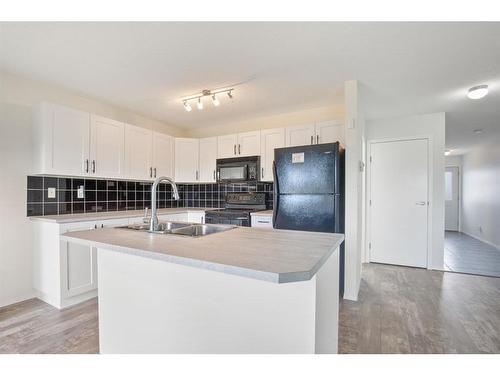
(235, 149)
(421, 203)
(154, 169)
(86, 165)
(93, 166)
(239, 149)
(312, 139)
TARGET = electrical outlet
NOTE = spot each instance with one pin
(80, 193)
(51, 193)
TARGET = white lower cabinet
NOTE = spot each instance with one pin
(265, 222)
(65, 272)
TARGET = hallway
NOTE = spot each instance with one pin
(465, 254)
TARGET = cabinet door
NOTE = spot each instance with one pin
(186, 159)
(227, 146)
(68, 149)
(78, 264)
(138, 153)
(163, 155)
(270, 139)
(329, 132)
(300, 135)
(208, 158)
(107, 147)
(249, 143)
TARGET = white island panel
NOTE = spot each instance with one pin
(151, 306)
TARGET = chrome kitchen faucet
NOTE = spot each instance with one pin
(153, 225)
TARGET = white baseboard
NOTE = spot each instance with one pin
(16, 299)
(482, 240)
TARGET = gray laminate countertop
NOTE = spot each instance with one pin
(278, 256)
(74, 218)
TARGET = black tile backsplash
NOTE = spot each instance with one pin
(113, 195)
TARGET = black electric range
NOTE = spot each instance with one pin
(237, 209)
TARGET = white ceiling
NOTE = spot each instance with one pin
(407, 68)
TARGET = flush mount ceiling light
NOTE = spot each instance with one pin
(477, 92)
(478, 131)
(206, 93)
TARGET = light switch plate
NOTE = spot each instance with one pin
(51, 192)
(80, 193)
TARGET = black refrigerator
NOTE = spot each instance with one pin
(309, 191)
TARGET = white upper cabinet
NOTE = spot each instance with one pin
(61, 140)
(249, 143)
(329, 132)
(163, 155)
(186, 160)
(208, 159)
(270, 139)
(138, 153)
(227, 146)
(300, 135)
(107, 147)
(313, 134)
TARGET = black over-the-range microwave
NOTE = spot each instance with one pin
(238, 169)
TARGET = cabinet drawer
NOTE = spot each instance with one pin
(262, 222)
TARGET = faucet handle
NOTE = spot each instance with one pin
(145, 219)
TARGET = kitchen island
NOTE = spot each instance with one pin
(245, 290)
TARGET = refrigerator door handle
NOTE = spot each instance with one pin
(275, 194)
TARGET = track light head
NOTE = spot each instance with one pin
(215, 100)
(187, 107)
(230, 94)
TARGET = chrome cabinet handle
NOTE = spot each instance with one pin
(235, 149)
(196, 175)
(150, 172)
(262, 172)
(239, 149)
(93, 166)
(312, 139)
(317, 139)
(420, 203)
(214, 174)
(86, 165)
(154, 172)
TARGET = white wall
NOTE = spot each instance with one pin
(17, 97)
(432, 126)
(354, 223)
(334, 112)
(453, 160)
(481, 193)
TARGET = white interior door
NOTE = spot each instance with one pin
(398, 202)
(452, 187)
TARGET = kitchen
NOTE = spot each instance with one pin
(215, 217)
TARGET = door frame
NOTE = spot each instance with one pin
(430, 170)
(459, 167)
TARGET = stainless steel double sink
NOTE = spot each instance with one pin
(182, 229)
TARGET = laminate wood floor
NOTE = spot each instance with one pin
(400, 310)
(411, 310)
(33, 326)
(463, 253)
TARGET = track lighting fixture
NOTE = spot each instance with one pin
(210, 93)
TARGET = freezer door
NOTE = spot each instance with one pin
(314, 213)
(308, 169)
